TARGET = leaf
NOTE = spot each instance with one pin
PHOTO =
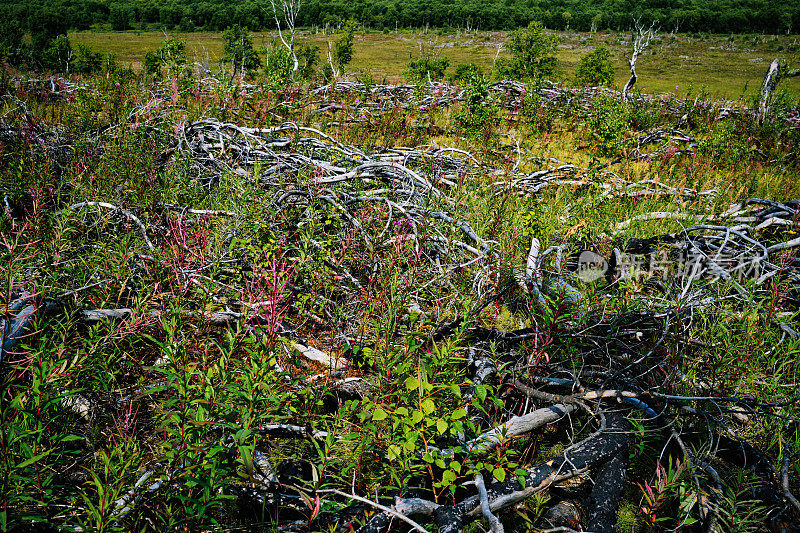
(32, 460)
(441, 426)
(456, 390)
(412, 384)
(480, 392)
(416, 416)
(427, 406)
(379, 415)
(499, 474)
(458, 413)
(394, 452)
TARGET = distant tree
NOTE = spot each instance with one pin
(87, 61)
(533, 53)
(595, 68)
(12, 47)
(342, 52)
(640, 41)
(120, 17)
(238, 50)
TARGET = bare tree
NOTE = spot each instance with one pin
(287, 10)
(778, 70)
(641, 40)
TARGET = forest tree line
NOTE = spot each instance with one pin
(715, 16)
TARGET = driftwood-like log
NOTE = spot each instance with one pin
(778, 70)
(609, 485)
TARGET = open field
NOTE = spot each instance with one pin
(725, 66)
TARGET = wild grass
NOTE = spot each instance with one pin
(723, 66)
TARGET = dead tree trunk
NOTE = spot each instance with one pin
(778, 70)
(641, 40)
(289, 10)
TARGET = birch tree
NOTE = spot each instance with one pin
(641, 40)
(287, 10)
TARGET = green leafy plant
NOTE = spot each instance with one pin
(595, 68)
(238, 51)
(608, 122)
(533, 54)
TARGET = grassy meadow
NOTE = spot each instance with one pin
(725, 66)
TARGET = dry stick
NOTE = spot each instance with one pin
(125, 212)
(377, 505)
(518, 425)
(494, 523)
(785, 479)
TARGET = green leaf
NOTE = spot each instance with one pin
(427, 406)
(441, 426)
(499, 474)
(379, 414)
(416, 416)
(456, 390)
(394, 452)
(32, 460)
(458, 413)
(412, 384)
(480, 392)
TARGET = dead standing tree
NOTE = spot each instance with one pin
(641, 40)
(778, 70)
(288, 11)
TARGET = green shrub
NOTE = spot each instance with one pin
(595, 68)
(533, 54)
(477, 116)
(343, 47)
(420, 70)
(278, 65)
(608, 122)
(238, 50)
(87, 61)
(465, 72)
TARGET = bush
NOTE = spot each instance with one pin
(420, 70)
(476, 117)
(238, 50)
(343, 47)
(278, 65)
(608, 122)
(533, 54)
(595, 68)
(465, 72)
(87, 61)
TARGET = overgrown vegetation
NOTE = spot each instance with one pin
(242, 304)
